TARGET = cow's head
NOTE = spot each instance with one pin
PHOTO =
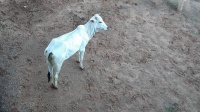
(98, 23)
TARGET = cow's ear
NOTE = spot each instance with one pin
(92, 21)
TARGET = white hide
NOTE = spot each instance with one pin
(66, 45)
(61, 48)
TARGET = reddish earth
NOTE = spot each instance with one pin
(149, 59)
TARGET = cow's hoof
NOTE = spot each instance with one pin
(54, 87)
(82, 68)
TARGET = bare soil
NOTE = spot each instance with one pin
(148, 61)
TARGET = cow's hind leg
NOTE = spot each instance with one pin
(56, 71)
(50, 72)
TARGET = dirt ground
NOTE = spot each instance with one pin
(148, 61)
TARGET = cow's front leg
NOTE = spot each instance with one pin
(81, 59)
(180, 5)
(78, 57)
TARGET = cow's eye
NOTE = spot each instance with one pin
(100, 22)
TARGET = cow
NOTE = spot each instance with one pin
(64, 46)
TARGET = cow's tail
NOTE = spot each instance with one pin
(49, 59)
(49, 56)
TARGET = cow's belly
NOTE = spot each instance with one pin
(73, 46)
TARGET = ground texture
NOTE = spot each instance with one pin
(149, 59)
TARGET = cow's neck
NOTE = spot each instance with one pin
(90, 29)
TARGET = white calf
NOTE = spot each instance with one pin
(61, 48)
